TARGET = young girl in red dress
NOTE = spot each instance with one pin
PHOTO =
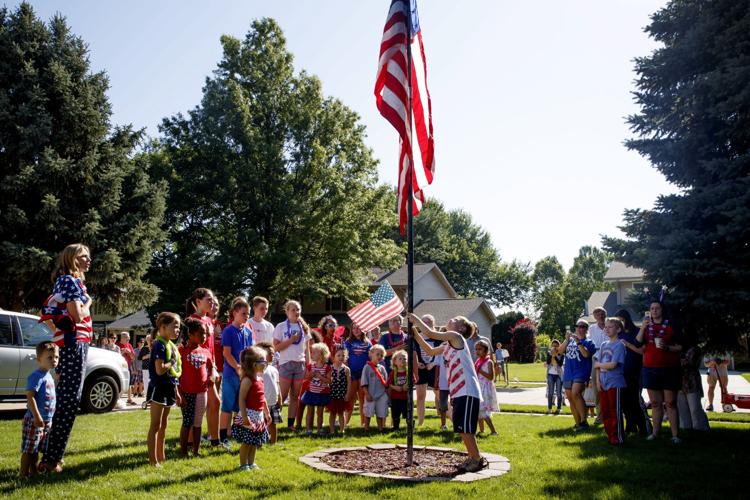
(250, 427)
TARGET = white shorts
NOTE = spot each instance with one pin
(377, 407)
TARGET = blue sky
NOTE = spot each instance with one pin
(529, 97)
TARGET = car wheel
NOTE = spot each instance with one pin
(100, 394)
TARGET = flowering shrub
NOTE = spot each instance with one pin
(523, 341)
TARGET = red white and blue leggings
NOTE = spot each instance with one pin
(72, 369)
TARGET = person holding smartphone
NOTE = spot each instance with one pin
(579, 352)
(662, 377)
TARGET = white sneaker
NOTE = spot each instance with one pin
(651, 437)
(676, 440)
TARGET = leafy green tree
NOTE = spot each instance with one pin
(548, 295)
(466, 255)
(558, 297)
(693, 127)
(66, 175)
(273, 190)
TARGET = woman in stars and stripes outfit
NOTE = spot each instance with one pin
(69, 309)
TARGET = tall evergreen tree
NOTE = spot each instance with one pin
(273, 190)
(694, 97)
(66, 175)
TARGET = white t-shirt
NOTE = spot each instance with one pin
(597, 336)
(271, 385)
(262, 331)
(295, 352)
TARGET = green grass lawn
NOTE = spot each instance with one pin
(746, 376)
(107, 458)
(527, 372)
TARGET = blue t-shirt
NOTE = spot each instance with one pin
(576, 366)
(43, 386)
(388, 340)
(237, 339)
(612, 350)
(359, 354)
(159, 351)
(633, 360)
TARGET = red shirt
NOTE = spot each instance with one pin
(196, 363)
(218, 350)
(398, 379)
(210, 342)
(127, 351)
(331, 343)
(256, 398)
(659, 358)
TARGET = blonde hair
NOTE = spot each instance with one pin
(617, 322)
(66, 261)
(290, 303)
(237, 304)
(322, 348)
(400, 354)
(249, 357)
(377, 348)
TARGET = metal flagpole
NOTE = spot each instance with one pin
(410, 255)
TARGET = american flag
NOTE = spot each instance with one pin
(392, 98)
(381, 306)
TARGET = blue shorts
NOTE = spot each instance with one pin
(230, 394)
(568, 384)
(661, 379)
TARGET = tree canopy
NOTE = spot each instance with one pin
(273, 190)
(464, 252)
(67, 175)
(693, 127)
(558, 297)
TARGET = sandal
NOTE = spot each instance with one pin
(476, 465)
(45, 467)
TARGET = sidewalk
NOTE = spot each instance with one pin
(538, 395)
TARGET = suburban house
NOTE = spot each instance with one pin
(624, 279)
(433, 294)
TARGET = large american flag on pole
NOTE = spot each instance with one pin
(392, 98)
(381, 306)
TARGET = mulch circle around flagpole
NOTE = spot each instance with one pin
(388, 461)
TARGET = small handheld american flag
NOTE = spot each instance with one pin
(381, 306)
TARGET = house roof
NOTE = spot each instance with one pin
(134, 320)
(445, 309)
(619, 271)
(607, 300)
(399, 277)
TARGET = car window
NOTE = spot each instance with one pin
(6, 334)
(33, 332)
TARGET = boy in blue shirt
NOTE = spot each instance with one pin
(235, 338)
(611, 367)
(577, 371)
(40, 403)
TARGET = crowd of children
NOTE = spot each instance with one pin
(237, 378)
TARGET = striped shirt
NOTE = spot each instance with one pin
(317, 386)
(462, 377)
(70, 289)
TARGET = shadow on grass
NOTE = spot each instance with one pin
(657, 468)
(166, 482)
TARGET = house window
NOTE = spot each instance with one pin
(336, 304)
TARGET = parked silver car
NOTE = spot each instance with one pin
(107, 374)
